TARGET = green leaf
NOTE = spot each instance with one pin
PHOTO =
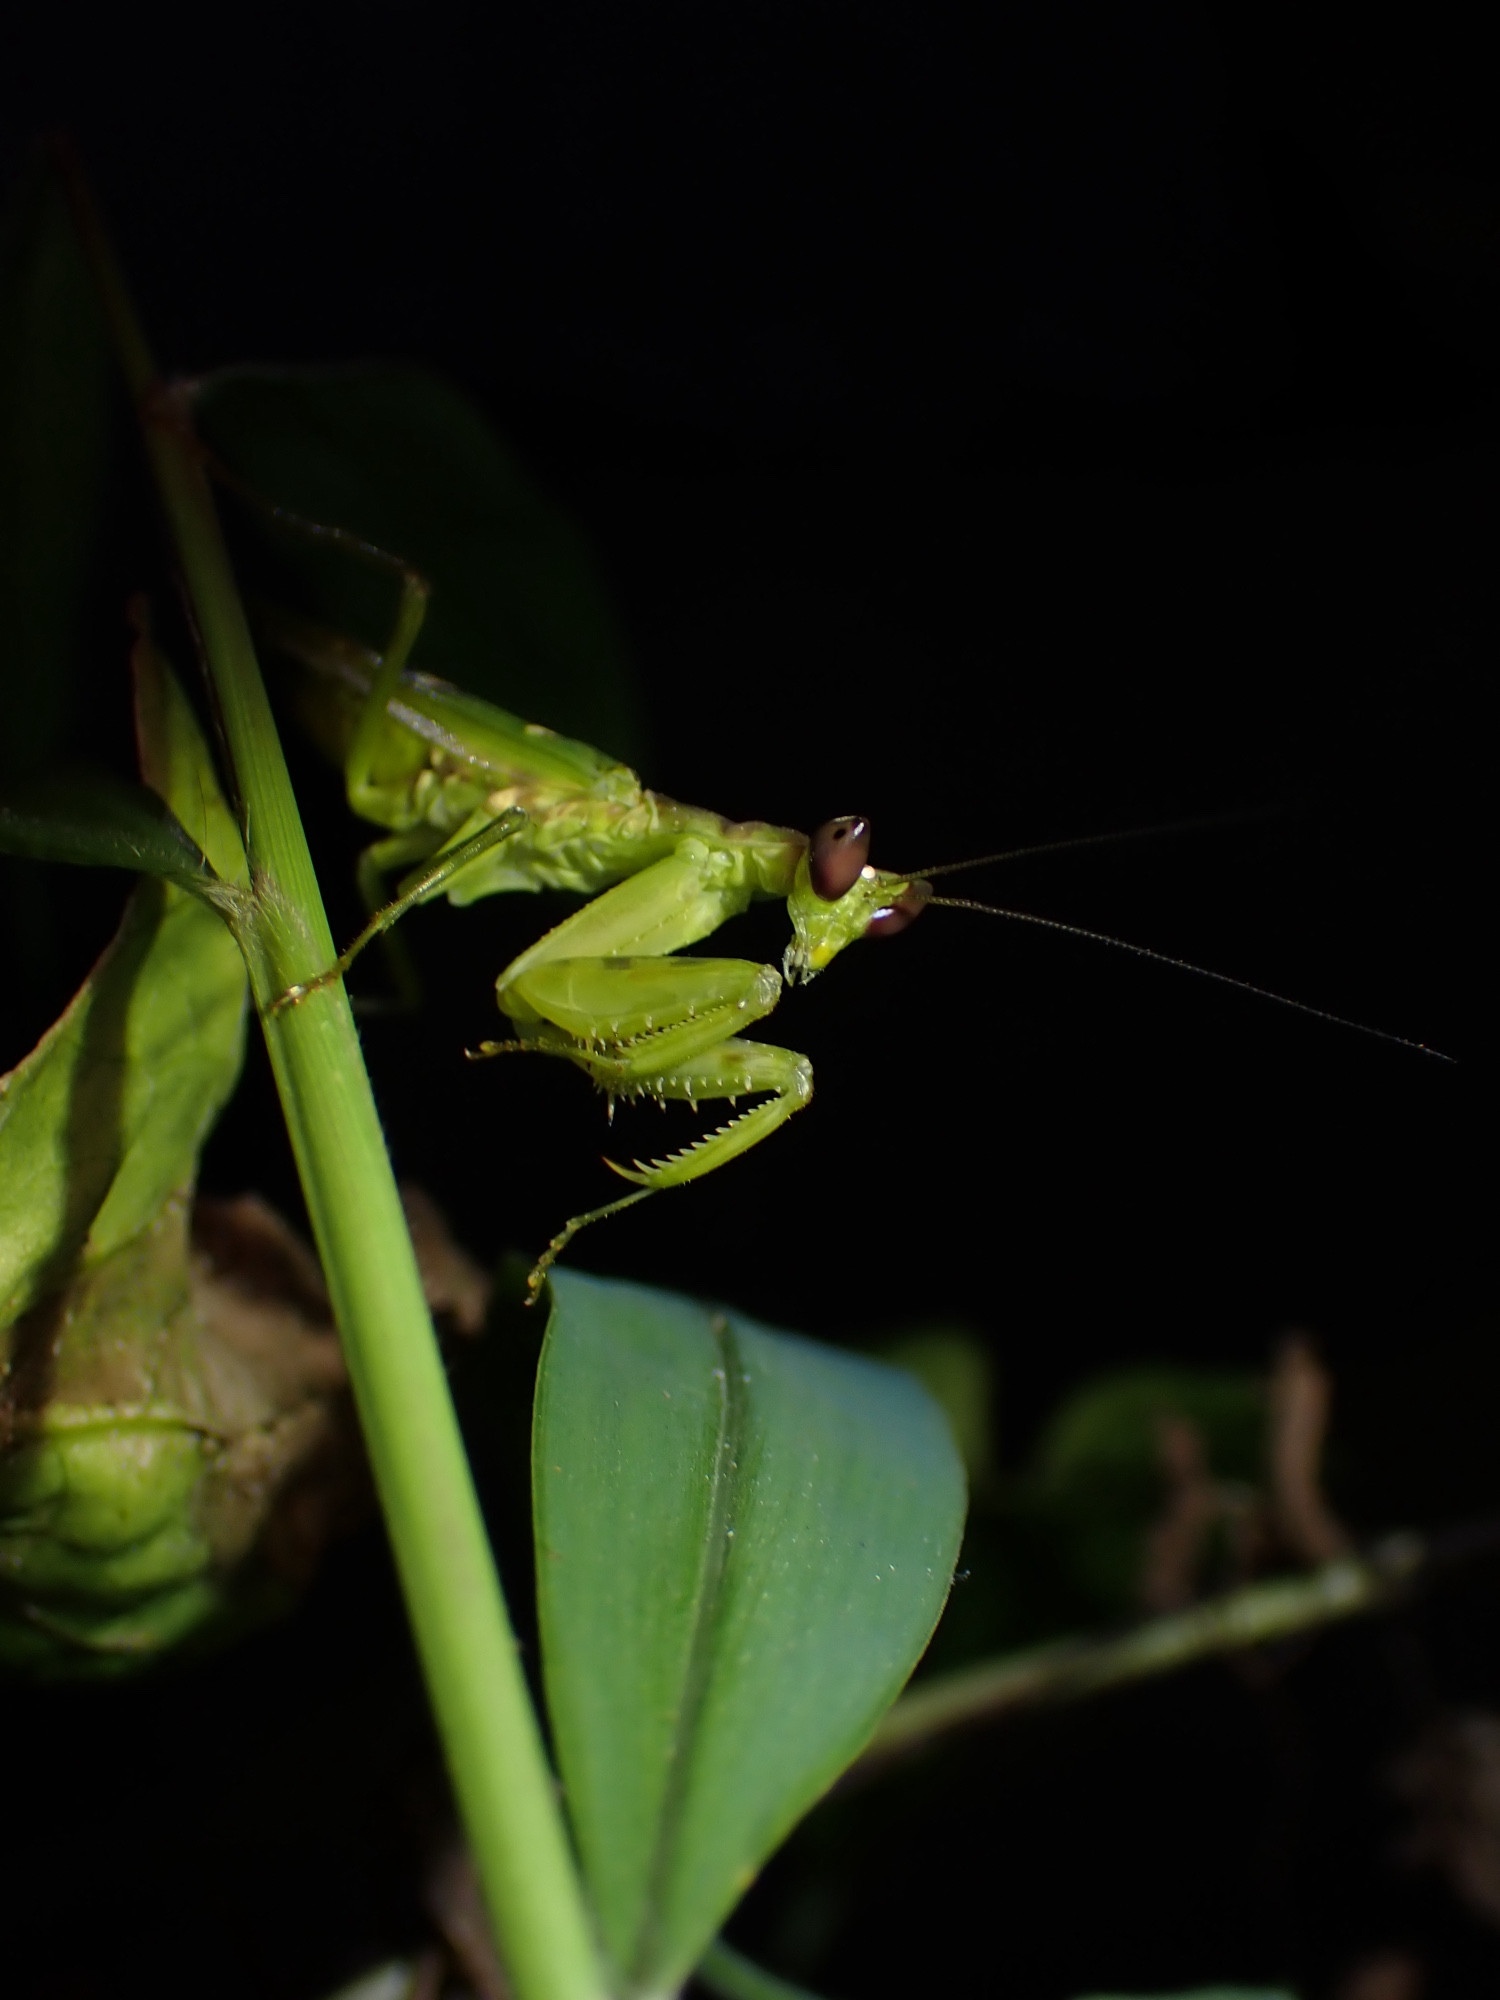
(146, 1432)
(1099, 1478)
(518, 614)
(99, 821)
(105, 1118)
(96, 820)
(1108, 1431)
(175, 763)
(744, 1541)
(173, 1447)
(955, 1365)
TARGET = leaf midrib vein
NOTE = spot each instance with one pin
(725, 1485)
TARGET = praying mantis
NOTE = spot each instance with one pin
(477, 802)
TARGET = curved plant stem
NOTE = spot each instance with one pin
(463, 1635)
(1072, 1668)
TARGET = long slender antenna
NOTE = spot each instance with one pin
(1195, 825)
(1187, 965)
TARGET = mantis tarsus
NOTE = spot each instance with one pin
(478, 802)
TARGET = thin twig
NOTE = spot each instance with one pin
(1069, 1669)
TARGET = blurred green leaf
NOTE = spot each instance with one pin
(744, 1541)
(1109, 1430)
(1101, 1474)
(100, 821)
(104, 1120)
(955, 1366)
(396, 456)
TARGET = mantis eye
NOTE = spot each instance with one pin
(905, 910)
(840, 848)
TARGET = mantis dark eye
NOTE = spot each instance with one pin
(905, 910)
(840, 848)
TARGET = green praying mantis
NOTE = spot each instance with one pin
(477, 802)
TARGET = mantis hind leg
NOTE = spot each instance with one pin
(411, 612)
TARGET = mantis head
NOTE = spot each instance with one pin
(838, 897)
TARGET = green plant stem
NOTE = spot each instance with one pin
(468, 1652)
(1072, 1668)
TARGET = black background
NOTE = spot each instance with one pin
(1010, 428)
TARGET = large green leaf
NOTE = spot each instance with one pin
(104, 1120)
(744, 1541)
(394, 455)
(153, 1412)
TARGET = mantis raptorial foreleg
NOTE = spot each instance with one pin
(729, 1070)
(672, 1033)
(600, 991)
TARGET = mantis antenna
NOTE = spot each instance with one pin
(1075, 841)
(1181, 964)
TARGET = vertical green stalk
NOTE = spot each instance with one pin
(489, 1731)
